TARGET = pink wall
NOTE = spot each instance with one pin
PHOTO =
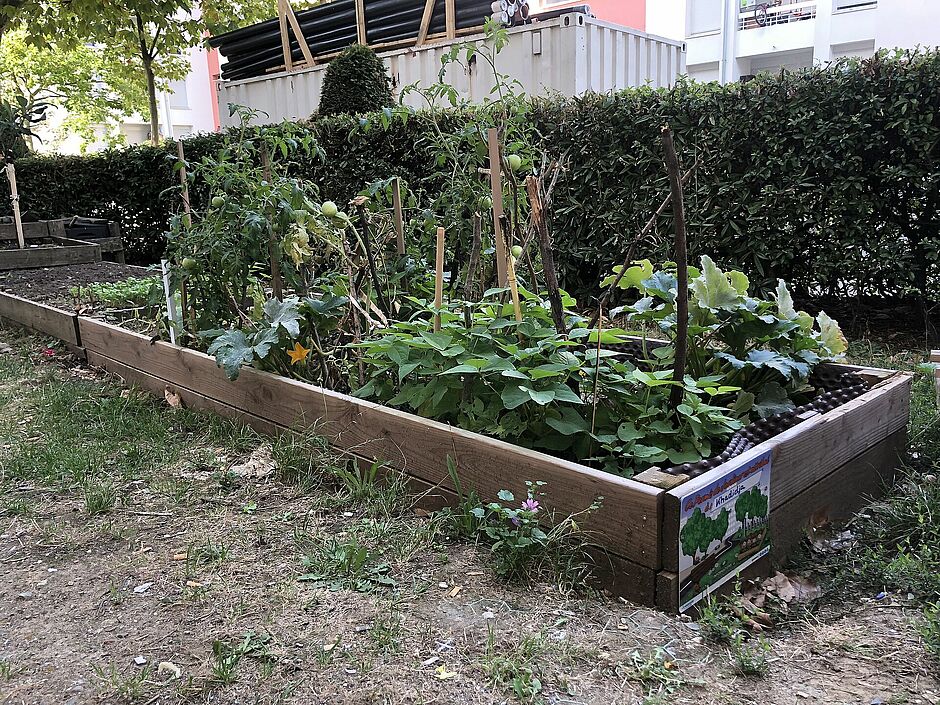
(630, 13)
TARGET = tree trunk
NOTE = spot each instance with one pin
(146, 56)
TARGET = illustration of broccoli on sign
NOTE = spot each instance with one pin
(700, 531)
(750, 509)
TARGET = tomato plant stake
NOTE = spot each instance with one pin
(475, 249)
(682, 268)
(399, 218)
(188, 224)
(631, 251)
(366, 242)
(545, 249)
(439, 279)
(496, 185)
(276, 284)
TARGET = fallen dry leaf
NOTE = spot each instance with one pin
(172, 398)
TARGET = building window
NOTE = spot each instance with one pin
(179, 97)
(704, 16)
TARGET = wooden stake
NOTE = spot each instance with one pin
(285, 38)
(450, 19)
(359, 203)
(631, 251)
(298, 33)
(475, 249)
(439, 279)
(184, 183)
(548, 258)
(513, 288)
(361, 22)
(399, 218)
(496, 187)
(425, 22)
(15, 201)
(189, 307)
(276, 283)
(682, 268)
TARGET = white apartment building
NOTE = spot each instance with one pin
(730, 39)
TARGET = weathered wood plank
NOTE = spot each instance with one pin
(836, 497)
(41, 318)
(628, 521)
(31, 231)
(808, 452)
(427, 496)
(833, 499)
(34, 257)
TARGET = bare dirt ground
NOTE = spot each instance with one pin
(188, 590)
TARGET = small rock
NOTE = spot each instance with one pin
(24, 596)
(142, 588)
(442, 585)
(348, 515)
(171, 668)
(140, 660)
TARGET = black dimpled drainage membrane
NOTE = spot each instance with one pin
(840, 388)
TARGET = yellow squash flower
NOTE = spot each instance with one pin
(298, 354)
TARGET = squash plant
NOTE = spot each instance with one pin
(524, 382)
(765, 347)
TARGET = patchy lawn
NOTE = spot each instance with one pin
(157, 555)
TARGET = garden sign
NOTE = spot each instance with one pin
(723, 528)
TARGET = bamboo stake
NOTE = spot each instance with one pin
(439, 279)
(496, 187)
(514, 288)
(15, 202)
(682, 268)
(188, 310)
(548, 259)
(631, 251)
(276, 283)
(399, 218)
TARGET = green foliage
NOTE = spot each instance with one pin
(17, 119)
(91, 83)
(345, 565)
(356, 81)
(132, 292)
(764, 347)
(827, 178)
(524, 382)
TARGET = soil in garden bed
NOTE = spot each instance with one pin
(52, 285)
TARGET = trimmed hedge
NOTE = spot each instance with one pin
(829, 178)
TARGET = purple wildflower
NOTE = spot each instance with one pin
(531, 505)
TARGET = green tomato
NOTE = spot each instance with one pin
(329, 209)
(516, 251)
(218, 201)
(190, 265)
(486, 203)
(515, 162)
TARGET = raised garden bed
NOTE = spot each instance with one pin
(820, 470)
(48, 244)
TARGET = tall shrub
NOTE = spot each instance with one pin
(356, 81)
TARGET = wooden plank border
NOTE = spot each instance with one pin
(834, 498)
(628, 521)
(612, 572)
(41, 318)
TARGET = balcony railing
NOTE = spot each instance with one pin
(774, 12)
